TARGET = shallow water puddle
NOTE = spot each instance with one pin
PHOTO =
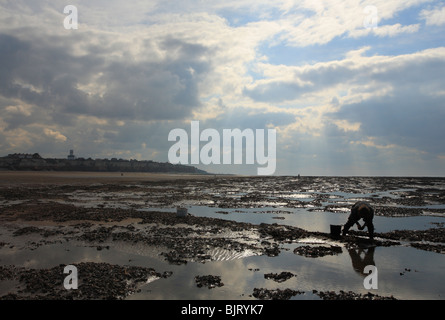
(404, 272)
(305, 219)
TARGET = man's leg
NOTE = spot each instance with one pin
(353, 218)
(370, 229)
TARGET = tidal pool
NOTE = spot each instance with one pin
(403, 272)
(310, 203)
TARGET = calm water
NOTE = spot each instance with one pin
(308, 220)
(425, 280)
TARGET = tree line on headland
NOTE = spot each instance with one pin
(34, 162)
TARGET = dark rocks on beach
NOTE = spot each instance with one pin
(27, 230)
(174, 257)
(407, 270)
(282, 233)
(279, 277)
(275, 294)
(99, 234)
(208, 281)
(433, 235)
(317, 251)
(96, 281)
(342, 295)
(272, 251)
(189, 238)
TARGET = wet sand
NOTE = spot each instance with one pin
(106, 213)
(11, 178)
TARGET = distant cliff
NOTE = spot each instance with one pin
(37, 163)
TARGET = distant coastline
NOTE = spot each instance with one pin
(34, 162)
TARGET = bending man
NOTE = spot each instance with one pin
(361, 210)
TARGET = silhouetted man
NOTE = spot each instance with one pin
(361, 210)
(358, 262)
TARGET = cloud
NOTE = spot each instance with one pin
(433, 17)
(320, 22)
(347, 126)
(388, 103)
(406, 119)
(305, 79)
(54, 134)
(354, 74)
(130, 89)
(310, 69)
(385, 30)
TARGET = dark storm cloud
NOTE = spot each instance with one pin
(405, 118)
(412, 113)
(46, 73)
(43, 73)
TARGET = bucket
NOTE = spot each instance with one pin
(181, 212)
(335, 231)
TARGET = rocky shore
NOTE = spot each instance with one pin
(35, 216)
(99, 281)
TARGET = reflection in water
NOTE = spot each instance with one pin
(361, 257)
(241, 276)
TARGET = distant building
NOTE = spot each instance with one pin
(71, 156)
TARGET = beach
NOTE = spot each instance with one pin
(246, 238)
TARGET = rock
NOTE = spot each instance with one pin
(27, 230)
(96, 281)
(276, 294)
(342, 295)
(283, 276)
(317, 251)
(272, 251)
(208, 281)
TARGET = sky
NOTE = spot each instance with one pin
(350, 87)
